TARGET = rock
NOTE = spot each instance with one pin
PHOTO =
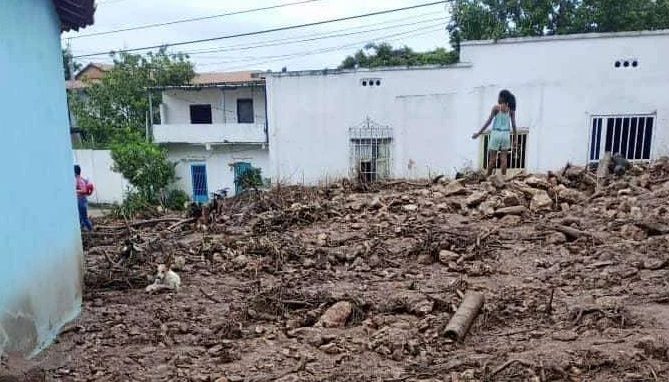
(628, 272)
(410, 207)
(337, 315)
(569, 195)
(179, 263)
(322, 239)
(636, 213)
(289, 378)
(312, 336)
(515, 210)
(476, 198)
(510, 199)
(541, 201)
(453, 188)
(488, 206)
(565, 335)
(536, 182)
(498, 181)
(376, 203)
(330, 348)
(654, 264)
(419, 305)
(445, 257)
(308, 263)
(425, 259)
(221, 379)
(510, 220)
(240, 261)
(556, 238)
(374, 261)
(632, 232)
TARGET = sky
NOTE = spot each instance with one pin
(421, 29)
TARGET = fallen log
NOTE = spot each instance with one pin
(653, 228)
(180, 223)
(514, 210)
(141, 223)
(463, 318)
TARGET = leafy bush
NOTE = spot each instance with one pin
(146, 167)
(134, 204)
(250, 179)
(176, 200)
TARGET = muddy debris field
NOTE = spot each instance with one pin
(353, 283)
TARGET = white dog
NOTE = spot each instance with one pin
(165, 279)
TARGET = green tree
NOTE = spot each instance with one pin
(69, 64)
(115, 108)
(496, 19)
(374, 56)
(146, 166)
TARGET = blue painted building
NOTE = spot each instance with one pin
(40, 244)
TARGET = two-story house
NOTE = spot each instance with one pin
(215, 128)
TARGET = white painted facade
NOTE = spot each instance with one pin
(96, 166)
(561, 83)
(219, 162)
(218, 145)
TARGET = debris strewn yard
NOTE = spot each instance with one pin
(351, 283)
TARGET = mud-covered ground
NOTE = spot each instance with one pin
(575, 278)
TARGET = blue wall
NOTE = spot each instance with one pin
(40, 245)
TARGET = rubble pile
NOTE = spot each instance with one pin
(346, 284)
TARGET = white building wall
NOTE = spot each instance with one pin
(175, 108)
(218, 161)
(559, 83)
(96, 166)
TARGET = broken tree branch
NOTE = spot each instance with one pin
(463, 318)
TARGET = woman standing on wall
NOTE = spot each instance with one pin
(503, 119)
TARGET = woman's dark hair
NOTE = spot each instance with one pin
(508, 98)
(77, 169)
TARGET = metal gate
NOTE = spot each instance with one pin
(240, 169)
(199, 179)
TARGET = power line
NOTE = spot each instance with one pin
(267, 59)
(301, 37)
(432, 27)
(334, 49)
(314, 38)
(266, 31)
(147, 26)
(311, 36)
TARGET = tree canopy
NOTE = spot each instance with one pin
(374, 56)
(115, 108)
(496, 19)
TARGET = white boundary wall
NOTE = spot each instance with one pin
(96, 165)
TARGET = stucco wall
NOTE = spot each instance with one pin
(96, 166)
(40, 243)
(218, 160)
(559, 83)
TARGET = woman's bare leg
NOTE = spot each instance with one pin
(492, 161)
(503, 161)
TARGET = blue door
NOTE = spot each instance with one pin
(240, 169)
(199, 178)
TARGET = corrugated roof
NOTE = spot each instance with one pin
(226, 78)
(74, 14)
(83, 73)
